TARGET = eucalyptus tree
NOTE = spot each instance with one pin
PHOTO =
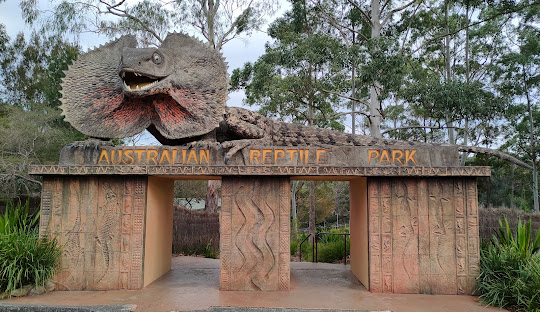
(218, 21)
(299, 77)
(520, 71)
(369, 27)
(31, 128)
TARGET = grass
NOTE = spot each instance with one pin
(25, 258)
(330, 248)
(510, 269)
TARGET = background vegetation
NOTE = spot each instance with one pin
(510, 269)
(25, 258)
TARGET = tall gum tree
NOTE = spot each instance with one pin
(291, 80)
(375, 16)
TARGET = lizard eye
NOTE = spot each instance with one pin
(156, 58)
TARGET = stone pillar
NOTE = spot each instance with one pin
(99, 221)
(358, 230)
(255, 233)
(423, 235)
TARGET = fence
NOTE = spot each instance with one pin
(195, 232)
(489, 220)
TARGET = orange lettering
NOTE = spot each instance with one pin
(139, 154)
(174, 151)
(129, 155)
(395, 156)
(319, 158)
(384, 157)
(191, 156)
(103, 156)
(165, 154)
(119, 157)
(151, 155)
(254, 154)
(264, 156)
(206, 155)
(409, 155)
(291, 153)
(279, 153)
(373, 154)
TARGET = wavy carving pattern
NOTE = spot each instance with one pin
(252, 258)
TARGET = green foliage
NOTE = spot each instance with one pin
(25, 258)
(330, 248)
(209, 251)
(510, 269)
(16, 217)
(507, 279)
(332, 252)
(523, 241)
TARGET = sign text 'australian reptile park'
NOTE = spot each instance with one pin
(291, 161)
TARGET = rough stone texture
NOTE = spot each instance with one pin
(254, 234)
(99, 221)
(423, 235)
(101, 98)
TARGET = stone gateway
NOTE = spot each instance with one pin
(414, 211)
(414, 224)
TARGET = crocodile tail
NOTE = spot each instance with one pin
(495, 153)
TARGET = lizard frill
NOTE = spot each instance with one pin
(118, 90)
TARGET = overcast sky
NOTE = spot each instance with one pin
(237, 52)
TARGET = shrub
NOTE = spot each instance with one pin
(332, 252)
(294, 246)
(510, 269)
(25, 258)
(329, 247)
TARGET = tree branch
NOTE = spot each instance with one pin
(397, 10)
(346, 97)
(123, 13)
(474, 24)
(21, 177)
(368, 19)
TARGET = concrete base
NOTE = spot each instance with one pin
(254, 233)
(193, 284)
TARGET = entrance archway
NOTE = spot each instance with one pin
(418, 223)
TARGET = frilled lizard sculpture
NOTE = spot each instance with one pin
(178, 92)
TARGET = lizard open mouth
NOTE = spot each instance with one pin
(137, 82)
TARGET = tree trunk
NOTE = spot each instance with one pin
(533, 144)
(212, 195)
(374, 103)
(512, 186)
(449, 121)
(311, 210)
(353, 88)
(468, 77)
(294, 230)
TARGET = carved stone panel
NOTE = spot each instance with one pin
(99, 223)
(433, 243)
(254, 246)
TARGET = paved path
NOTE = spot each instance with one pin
(193, 284)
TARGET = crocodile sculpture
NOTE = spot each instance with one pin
(178, 92)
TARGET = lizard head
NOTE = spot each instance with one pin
(118, 90)
(144, 69)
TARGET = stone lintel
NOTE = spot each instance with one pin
(233, 170)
